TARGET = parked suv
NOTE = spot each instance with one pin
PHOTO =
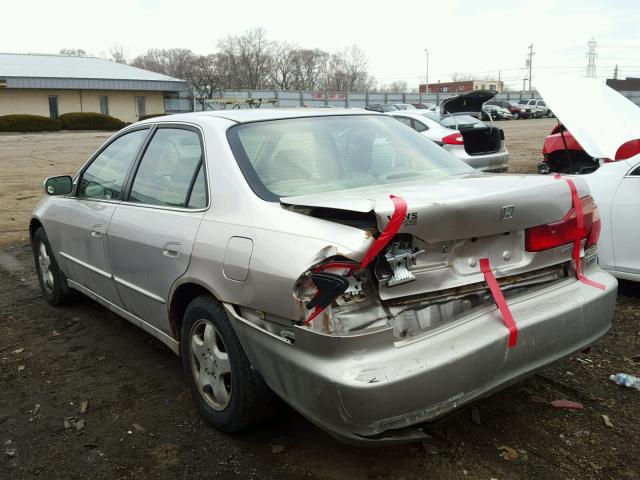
(538, 106)
(518, 111)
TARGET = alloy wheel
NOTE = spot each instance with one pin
(210, 364)
(44, 261)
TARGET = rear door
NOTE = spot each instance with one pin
(152, 231)
(79, 223)
(625, 218)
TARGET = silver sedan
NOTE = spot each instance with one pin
(333, 258)
(471, 140)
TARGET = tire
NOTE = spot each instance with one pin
(230, 395)
(516, 116)
(52, 281)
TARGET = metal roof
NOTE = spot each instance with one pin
(64, 71)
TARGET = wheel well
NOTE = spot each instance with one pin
(34, 225)
(181, 298)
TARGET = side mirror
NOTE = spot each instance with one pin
(62, 185)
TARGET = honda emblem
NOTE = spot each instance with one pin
(507, 212)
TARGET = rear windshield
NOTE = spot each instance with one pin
(298, 156)
(461, 122)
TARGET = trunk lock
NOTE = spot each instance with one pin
(400, 257)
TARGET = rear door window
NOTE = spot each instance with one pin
(104, 178)
(171, 171)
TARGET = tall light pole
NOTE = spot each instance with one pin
(427, 75)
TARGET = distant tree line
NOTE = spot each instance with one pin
(252, 61)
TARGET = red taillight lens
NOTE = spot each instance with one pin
(453, 139)
(544, 237)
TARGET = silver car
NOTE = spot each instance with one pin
(471, 140)
(333, 258)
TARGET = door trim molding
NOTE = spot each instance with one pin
(86, 265)
(136, 288)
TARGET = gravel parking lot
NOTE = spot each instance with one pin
(129, 413)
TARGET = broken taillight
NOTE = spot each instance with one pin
(544, 237)
(453, 139)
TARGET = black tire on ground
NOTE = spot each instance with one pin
(250, 400)
(52, 281)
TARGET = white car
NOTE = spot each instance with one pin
(474, 142)
(612, 134)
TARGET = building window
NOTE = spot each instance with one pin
(104, 104)
(53, 106)
(444, 89)
(142, 107)
(492, 87)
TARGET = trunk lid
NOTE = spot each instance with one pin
(470, 102)
(456, 221)
(601, 125)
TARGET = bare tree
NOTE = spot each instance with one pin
(73, 52)
(116, 54)
(347, 70)
(173, 61)
(283, 72)
(398, 86)
(248, 58)
(203, 74)
(310, 66)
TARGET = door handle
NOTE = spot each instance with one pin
(172, 250)
(96, 231)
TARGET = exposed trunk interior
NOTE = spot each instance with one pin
(480, 141)
(571, 162)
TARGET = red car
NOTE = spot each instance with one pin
(562, 153)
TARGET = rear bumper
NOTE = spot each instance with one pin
(364, 388)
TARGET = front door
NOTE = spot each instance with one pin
(80, 222)
(152, 232)
(625, 218)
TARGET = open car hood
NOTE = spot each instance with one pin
(601, 125)
(470, 102)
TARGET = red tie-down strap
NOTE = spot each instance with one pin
(498, 297)
(577, 207)
(399, 212)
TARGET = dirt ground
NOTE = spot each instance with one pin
(140, 422)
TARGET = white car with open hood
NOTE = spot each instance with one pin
(615, 185)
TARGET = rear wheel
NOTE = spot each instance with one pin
(230, 394)
(52, 281)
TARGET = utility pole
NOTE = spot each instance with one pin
(591, 55)
(426, 79)
(499, 76)
(530, 63)
(615, 72)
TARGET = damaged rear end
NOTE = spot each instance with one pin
(437, 338)
(462, 283)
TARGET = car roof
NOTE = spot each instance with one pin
(257, 114)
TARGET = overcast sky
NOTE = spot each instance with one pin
(461, 35)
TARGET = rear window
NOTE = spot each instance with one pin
(461, 122)
(290, 157)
